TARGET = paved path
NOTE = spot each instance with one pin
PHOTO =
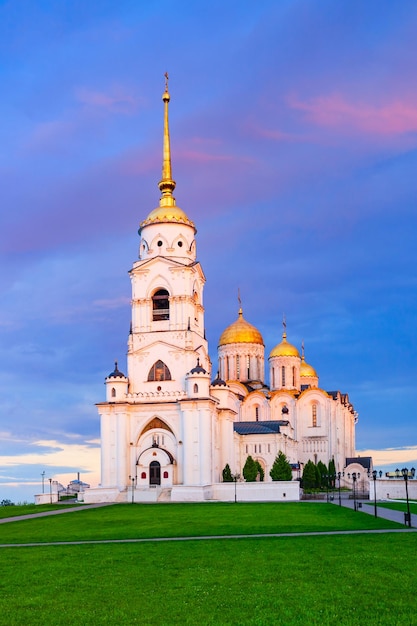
(73, 509)
(209, 537)
(389, 514)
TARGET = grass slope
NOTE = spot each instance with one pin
(129, 521)
(344, 580)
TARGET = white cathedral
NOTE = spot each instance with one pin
(168, 428)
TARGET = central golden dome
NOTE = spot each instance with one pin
(241, 332)
(284, 348)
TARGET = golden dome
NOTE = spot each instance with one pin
(306, 369)
(241, 332)
(284, 348)
(163, 214)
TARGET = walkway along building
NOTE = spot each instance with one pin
(167, 427)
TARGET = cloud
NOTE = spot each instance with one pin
(392, 456)
(335, 111)
(116, 100)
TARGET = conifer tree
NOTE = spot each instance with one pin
(323, 473)
(332, 473)
(250, 470)
(227, 474)
(309, 475)
(281, 469)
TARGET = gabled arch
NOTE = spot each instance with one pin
(155, 422)
(159, 372)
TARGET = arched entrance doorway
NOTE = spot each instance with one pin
(154, 473)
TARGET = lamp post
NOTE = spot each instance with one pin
(50, 490)
(132, 478)
(405, 473)
(235, 479)
(355, 477)
(374, 475)
(43, 481)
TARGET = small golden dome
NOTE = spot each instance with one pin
(284, 348)
(307, 370)
(163, 214)
(241, 332)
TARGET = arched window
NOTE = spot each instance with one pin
(159, 371)
(314, 415)
(283, 376)
(160, 305)
(273, 377)
(195, 388)
(257, 413)
(238, 367)
(293, 376)
(113, 392)
(248, 367)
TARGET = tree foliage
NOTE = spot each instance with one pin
(310, 475)
(322, 474)
(281, 469)
(227, 474)
(250, 470)
(332, 473)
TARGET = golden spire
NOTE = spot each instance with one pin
(284, 326)
(166, 184)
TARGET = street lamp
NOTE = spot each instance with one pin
(406, 474)
(132, 478)
(355, 477)
(374, 475)
(235, 479)
(43, 481)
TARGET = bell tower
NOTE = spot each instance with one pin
(167, 330)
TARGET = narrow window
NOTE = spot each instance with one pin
(260, 449)
(160, 305)
(248, 366)
(247, 449)
(282, 376)
(269, 448)
(273, 377)
(195, 388)
(159, 371)
(227, 369)
(257, 413)
(255, 448)
(113, 393)
(314, 414)
(238, 367)
(293, 376)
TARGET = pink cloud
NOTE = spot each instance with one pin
(117, 101)
(392, 118)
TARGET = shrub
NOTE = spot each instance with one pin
(250, 470)
(227, 474)
(281, 469)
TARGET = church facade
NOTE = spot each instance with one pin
(169, 427)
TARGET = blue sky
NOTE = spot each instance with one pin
(294, 136)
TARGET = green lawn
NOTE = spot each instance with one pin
(399, 506)
(27, 509)
(323, 580)
(128, 521)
